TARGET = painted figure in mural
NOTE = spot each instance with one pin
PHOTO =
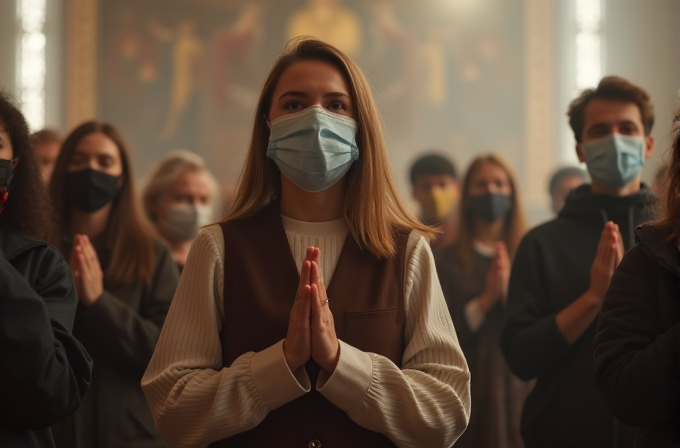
(388, 30)
(474, 274)
(187, 65)
(256, 350)
(132, 55)
(234, 43)
(329, 21)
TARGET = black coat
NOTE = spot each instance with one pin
(120, 331)
(45, 372)
(637, 345)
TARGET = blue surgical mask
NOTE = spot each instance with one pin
(614, 160)
(313, 148)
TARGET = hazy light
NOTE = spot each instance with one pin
(588, 43)
(32, 65)
(460, 6)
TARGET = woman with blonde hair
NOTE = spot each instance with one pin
(180, 197)
(311, 315)
(474, 275)
(125, 279)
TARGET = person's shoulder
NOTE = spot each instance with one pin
(414, 239)
(547, 230)
(211, 233)
(445, 253)
(210, 240)
(17, 245)
(40, 263)
(14, 243)
(160, 247)
(654, 245)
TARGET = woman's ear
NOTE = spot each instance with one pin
(15, 161)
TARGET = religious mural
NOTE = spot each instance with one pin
(447, 74)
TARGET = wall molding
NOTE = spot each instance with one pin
(81, 56)
(540, 99)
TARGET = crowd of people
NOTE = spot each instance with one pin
(317, 310)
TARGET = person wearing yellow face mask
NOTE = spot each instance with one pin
(436, 189)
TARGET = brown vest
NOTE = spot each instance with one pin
(260, 283)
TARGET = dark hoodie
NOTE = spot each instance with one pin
(552, 269)
(637, 345)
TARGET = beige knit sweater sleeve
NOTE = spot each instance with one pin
(195, 401)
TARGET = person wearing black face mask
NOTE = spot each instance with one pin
(474, 274)
(125, 280)
(45, 371)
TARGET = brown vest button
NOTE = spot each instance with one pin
(314, 444)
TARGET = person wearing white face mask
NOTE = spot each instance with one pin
(180, 197)
(562, 270)
(311, 313)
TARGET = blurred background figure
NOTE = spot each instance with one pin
(434, 180)
(180, 197)
(125, 280)
(562, 182)
(45, 370)
(474, 275)
(563, 267)
(637, 361)
(46, 144)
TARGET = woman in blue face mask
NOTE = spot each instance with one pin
(45, 371)
(474, 274)
(311, 315)
(125, 280)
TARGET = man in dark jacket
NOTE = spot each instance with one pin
(562, 270)
(45, 371)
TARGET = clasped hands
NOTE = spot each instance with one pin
(496, 287)
(86, 270)
(609, 253)
(311, 330)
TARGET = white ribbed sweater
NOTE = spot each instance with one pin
(195, 401)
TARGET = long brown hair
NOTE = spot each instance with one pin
(128, 234)
(373, 209)
(28, 210)
(515, 221)
(670, 186)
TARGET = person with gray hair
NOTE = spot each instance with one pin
(562, 182)
(180, 197)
